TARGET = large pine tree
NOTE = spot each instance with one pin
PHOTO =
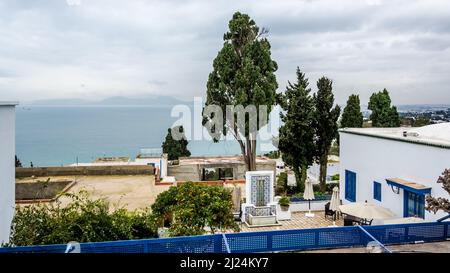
(296, 139)
(326, 117)
(383, 114)
(352, 116)
(243, 74)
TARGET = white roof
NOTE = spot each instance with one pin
(8, 103)
(436, 134)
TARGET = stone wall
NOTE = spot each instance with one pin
(85, 170)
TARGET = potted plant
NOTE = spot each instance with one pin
(284, 203)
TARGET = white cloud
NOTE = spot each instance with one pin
(100, 48)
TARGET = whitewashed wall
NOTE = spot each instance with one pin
(7, 169)
(375, 159)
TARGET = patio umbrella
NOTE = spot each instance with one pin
(406, 220)
(335, 203)
(366, 210)
(309, 195)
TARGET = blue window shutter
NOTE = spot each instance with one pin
(350, 186)
(377, 191)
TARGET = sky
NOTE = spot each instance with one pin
(93, 49)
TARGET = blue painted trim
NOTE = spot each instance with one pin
(443, 218)
(401, 186)
(263, 241)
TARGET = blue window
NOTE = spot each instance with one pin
(414, 204)
(350, 186)
(377, 191)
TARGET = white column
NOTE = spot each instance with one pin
(7, 168)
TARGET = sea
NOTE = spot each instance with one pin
(63, 135)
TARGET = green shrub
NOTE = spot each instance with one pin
(281, 187)
(82, 220)
(191, 207)
(284, 201)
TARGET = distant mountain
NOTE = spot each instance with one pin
(141, 101)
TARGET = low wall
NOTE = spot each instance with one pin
(85, 170)
(303, 205)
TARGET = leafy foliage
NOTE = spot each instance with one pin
(281, 186)
(175, 148)
(326, 126)
(284, 201)
(191, 207)
(436, 204)
(296, 138)
(82, 220)
(243, 74)
(352, 116)
(383, 114)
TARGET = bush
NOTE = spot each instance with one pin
(282, 187)
(191, 207)
(82, 220)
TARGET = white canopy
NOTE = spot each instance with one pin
(309, 192)
(406, 220)
(366, 210)
(335, 202)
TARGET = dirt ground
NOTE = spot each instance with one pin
(130, 191)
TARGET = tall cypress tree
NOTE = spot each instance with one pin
(352, 116)
(383, 114)
(326, 117)
(175, 148)
(296, 140)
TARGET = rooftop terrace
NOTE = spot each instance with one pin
(435, 135)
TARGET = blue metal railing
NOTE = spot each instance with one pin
(265, 241)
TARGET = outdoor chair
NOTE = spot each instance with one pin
(365, 222)
(329, 212)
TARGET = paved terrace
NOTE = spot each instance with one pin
(298, 220)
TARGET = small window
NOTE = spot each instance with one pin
(377, 191)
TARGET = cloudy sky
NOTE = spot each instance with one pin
(94, 49)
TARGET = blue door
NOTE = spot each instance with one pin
(414, 205)
(350, 186)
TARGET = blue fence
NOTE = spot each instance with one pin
(268, 241)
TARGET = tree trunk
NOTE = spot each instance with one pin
(249, 154)
(300, 187)
(303, 177)
(323, 172)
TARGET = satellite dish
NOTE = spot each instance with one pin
(73, 247)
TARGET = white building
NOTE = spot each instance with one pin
(7, 167)
(394, 167)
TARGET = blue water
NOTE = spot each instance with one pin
(55, 136)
